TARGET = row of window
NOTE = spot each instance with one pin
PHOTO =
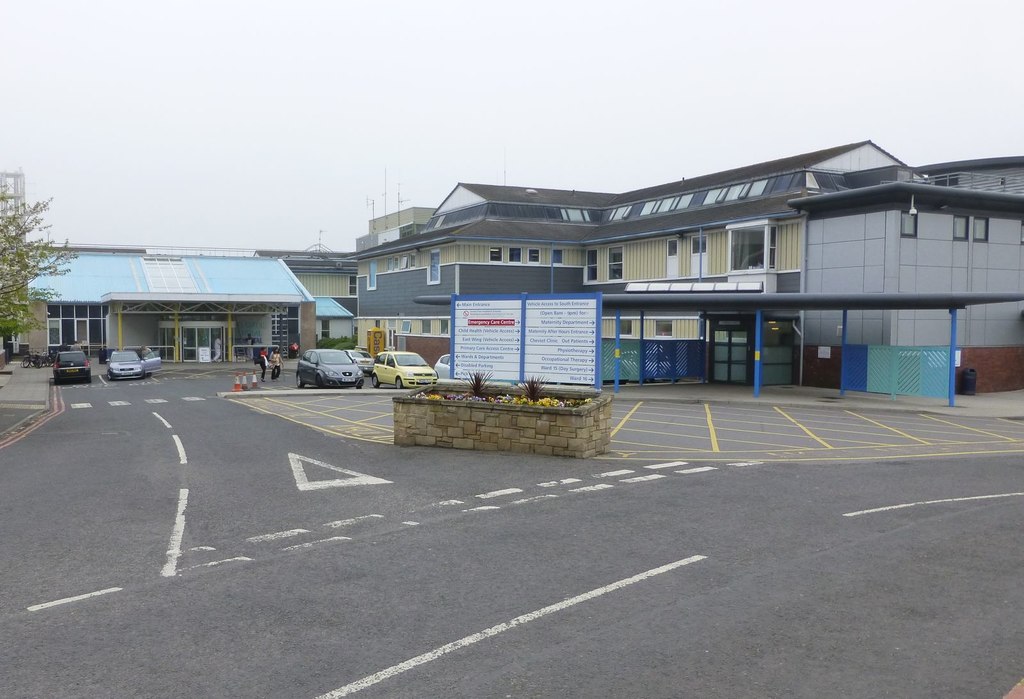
(406, 262)
(515, 254)
(516, 211)
(963, 226)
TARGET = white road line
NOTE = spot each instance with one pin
(158, 417)
(588, 488)
(746, 463)
(102, 380)
(181, 449)
(192, 398)
(499, 493)
(76, 406)
(670, 464)
(612, 474)
(155, 400)
(465, 641)
(564, 481)
(277, 535)
(346, 522)
(117, 403)
(533, 499)
(76, 598)
(318, 541)
(217, 563)
(482, 508)
(202, 548)
(698, 469)
(448, 502)
(638, 479)
(170, 568)
(930, 502)
(412, 524)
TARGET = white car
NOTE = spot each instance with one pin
(444, 367)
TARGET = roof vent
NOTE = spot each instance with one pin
(531, 191)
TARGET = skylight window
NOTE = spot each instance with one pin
(713, 196)
(757, 188)
(577, 215)
(733, 193)
(619, 213)
(168, 274)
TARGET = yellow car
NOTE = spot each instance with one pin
(401, 369)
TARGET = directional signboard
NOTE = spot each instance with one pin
(554, 337)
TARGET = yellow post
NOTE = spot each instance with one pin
(120, 341)
(177, 336)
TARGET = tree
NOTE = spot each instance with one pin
(24, 259)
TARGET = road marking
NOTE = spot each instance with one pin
(346, 522)
(449, 502)
(158, 417)
(174, 547)
(217, 563)
(589, 488)
(192, 398)
(711, 428)
(972, 429)
(670, 464)
(202, 548)
(302, 483)
(155, 400)
(879, 424)
(624, 418)
(465, 641)
(564, 481)
(412, 524)
(499, 493)
(810, 434)
(76, 406)
(482, 508)
(745, 463)
(545, 496)
(698, 469)
(76, 598)
(638, 479)
(277, 535)
(930, 502)
(612, 474)
(181, 449)
(318, 541)
(118, 403)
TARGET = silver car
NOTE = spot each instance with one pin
(444, 367)
(151, 360)
(124, 364)
(362, 358)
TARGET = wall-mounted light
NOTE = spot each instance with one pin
(913, 209)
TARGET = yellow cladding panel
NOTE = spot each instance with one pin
(680, 328)
(646, 259)
(718, 252)
(324, 284)
(788, 252)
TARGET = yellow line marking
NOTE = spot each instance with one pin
(625, 417)
(813, 458)
(375, 440)
(899, 432)
(327, 415)
(711, 428)
(810, 434)
(972, 429)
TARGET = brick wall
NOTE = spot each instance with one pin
(430, 348)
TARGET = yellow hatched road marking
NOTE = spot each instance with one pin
(899, 432)
(324, 414)
(711, 428)
(625, 417)
(972, 429)
(810, 434)
(376, 439)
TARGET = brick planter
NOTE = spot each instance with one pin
(580, 432)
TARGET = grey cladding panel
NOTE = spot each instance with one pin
(516, 279)
(788, 283)
(396, 290)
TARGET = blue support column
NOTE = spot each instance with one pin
(640, 370)
(618, 347)
(952, 357)
(842, 358)
(757, 351)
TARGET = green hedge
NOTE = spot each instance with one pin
(336, 343)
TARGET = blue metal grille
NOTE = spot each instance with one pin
(673, 359)
(855, 363)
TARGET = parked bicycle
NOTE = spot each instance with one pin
(37, 360)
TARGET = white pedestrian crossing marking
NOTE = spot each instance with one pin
(75, 406)
(155, 400)
(119, 402)
(192, 398)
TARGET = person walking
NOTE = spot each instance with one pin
(264, 362)
(275, 363)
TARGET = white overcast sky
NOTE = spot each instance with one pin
(254, 124)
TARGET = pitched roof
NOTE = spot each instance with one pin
(326, 307)
(534, 195)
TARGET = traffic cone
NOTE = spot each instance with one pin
(244, 381)
(255, 380)
(238, 385)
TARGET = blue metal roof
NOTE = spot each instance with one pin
(92, 275)
(326, 307)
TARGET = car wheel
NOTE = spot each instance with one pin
(319, 381)
(359, 383)
(110, 377)
(298, 380)
(375, 381)
(398, 383)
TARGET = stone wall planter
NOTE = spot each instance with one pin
(580, 432)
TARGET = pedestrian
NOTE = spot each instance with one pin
(275, 362)
(263, 362)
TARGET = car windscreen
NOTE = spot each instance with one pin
(71, 357)
(123, 357)
(334, 357)
(409, 360)
(360, 355)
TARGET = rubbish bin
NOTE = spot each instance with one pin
(103, 355)
(969, 382)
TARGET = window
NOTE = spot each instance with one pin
(53, 331)
(812, 181)
(515, 254)
(757, 188)
(773, 242)
(673, 247)
(591, 273)
(434, 269)
(405, 262)
(684, 201)
(960, 226)
(615, 263)
(713, 196)
(576, 215)
(406, 327)
(733, 193)
(371, 279)
(908, 225)
(325, 328)
(748, 249)
(663, 328)
(495, 255)
(353, 286)
(648, 208)
(390, 264)
(443, 326)
(698, 244)
(533, 255)
(625, 327)
(556, 256)
(981, 229)
(619, 213)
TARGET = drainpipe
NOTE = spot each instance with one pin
(803, 290)
(700, 254)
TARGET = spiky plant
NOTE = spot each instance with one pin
(533, 388)
(478, 383)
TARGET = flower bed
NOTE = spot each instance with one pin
(569, 422)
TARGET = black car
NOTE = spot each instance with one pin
(327, 367)
(71, 366)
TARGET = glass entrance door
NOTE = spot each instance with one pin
(729, 361)
(192, 338)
